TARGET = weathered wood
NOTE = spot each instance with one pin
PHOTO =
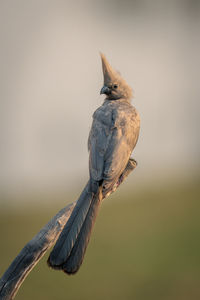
(37, 247)
(32, 252)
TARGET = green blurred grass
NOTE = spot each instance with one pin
(145, 245)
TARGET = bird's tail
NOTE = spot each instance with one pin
(69, 250)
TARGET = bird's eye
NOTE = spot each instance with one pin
(115, 86)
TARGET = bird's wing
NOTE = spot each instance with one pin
(97, 144)
(124, 138)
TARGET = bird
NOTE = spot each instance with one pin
(112, 138)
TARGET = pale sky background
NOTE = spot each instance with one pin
(51, 75)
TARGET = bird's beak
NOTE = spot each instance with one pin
(105, 90)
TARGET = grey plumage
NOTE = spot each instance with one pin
(113, 136)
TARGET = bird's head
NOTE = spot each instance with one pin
(115, 87)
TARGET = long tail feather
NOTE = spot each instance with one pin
(71, 245)
(76, 256)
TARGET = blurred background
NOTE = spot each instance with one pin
(146, 241)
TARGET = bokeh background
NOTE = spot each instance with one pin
(146, 241)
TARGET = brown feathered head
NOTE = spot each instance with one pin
(115, 87)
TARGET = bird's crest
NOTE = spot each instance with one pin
(112, 76)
